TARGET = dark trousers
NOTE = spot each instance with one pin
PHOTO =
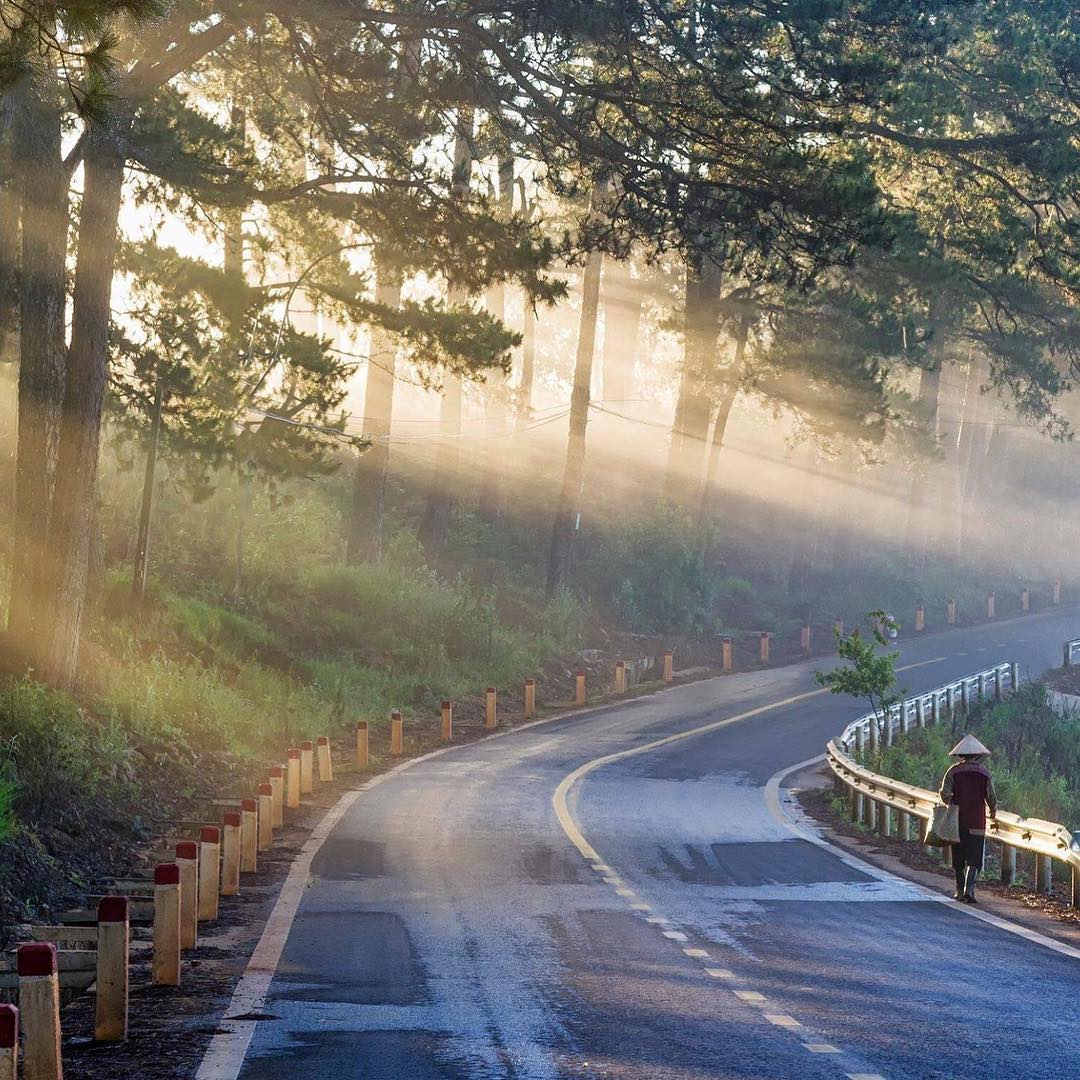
(969, 852)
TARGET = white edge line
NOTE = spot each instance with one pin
(777, 809)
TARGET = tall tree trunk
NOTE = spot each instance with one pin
(716, 446)
(84, 396)
(142, 543)
(568, 513)
(10, 213)
(366, 518)
(689, 433)
(44, 194)
(919, 510)
(528, 366)
(445, 476)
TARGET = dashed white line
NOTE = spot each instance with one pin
(782, 1020)
(821, 1048)
(698, 954)
(750, 995)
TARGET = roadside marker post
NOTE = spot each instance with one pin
(669, 665)
(166, 963)
(1025, 600)
(187, 858)
(1057, 592)
(265, 836)
(579, 688)
(230, 855)
(725, 654)
(397, 734)
(446, 716)
(804, 639)
(277, 789)
(209, 872)
(950, 613)
(990, 602)
(326, 764)
(307, 768)
(620, 677)
(249, 836)
(111, 987)
(9, 1042)
(763, 646)
(530, 698)
(292, 779)
(362, 744)
(491, 716)
(920, 619)
(39, 1008)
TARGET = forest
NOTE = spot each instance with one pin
(354, 356)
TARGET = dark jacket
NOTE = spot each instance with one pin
(969, 786)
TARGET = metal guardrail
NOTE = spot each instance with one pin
(1069, 652)
(874, 795)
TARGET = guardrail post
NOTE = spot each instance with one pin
(1066, 654)
(950, 613)
(1014, 676)
(166, 964)
(209, 871)
(920, 713)
(855, 809)
(1043, 874)
(249, 836)
(1008, 864)
(1025, 600)
(873, 735)
(1057, 592)
(230, 854)
(920, 619)
(265, 836)
(726, 658)
(111, 986)
(326, 763)
(579, 688)
(982, 688)
(39, 1006)
(965, 697)
(292, 778)
(362, 744)
(620, 677)
(187, 858)
(763, 646)
(869, 812)
(9, 1042)
(903, 717)
(903, 825)
(446, 719)
(990, 601)
(277, 788)
(307, 767)
(530, 698)
(997, 684)
(884, 816)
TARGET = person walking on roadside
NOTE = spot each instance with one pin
(968, 785)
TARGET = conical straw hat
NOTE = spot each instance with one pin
(968, 745)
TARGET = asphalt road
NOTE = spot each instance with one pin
(515, 909)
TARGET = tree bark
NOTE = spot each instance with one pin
(445, 475)
(568, 514)
(142, 543)
(622, 320)
(44, 197)
(689, 433)
(920, 512)
(84, 396)
(365, 536)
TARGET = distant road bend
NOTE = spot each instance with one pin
(611, 896)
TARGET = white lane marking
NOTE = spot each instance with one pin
(675, 935)
(698, 954)
(778, 811)
(782, 1020)
(864, 1076)
(625, 893)
(639, 906)
(720, 973)
(821, 1048)
(750, 995)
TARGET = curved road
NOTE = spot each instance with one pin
(603, 897)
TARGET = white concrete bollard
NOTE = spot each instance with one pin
(397, 734)
(292, 779)
(39, 1009)
(9, 1042)
(249, 836)
(209, 872)
(230, 854)
(187, 858)
(111, 1004)
(166, 963)
(266, 817)
(307, 768)
(326, 764)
